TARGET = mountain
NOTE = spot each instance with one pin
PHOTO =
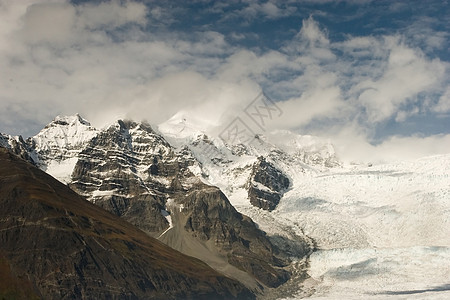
(56, 245)
(266, 184)
(18, 146)
(189, 189)
(56, 147)
(132, 171)
(279, 212)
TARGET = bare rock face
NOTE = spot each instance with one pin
(266, 185)
(60, 246)
(133, 172)
(18, 146)
(123, 170)
(210, 217)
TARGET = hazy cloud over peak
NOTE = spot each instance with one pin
(376, 73)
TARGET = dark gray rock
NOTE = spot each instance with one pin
(211, 217)
(19, 147)
(61, 246)
(266, 185)
(123, 170)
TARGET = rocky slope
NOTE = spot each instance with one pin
(176, 184)
(132, 171)
(60, 246)
(207, 226)
(266, 185)
(18, 146)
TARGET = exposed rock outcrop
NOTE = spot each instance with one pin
(266, 185)
(135, 173)
(127, 169)
(18, 146)
(210, 217)
(61, 246)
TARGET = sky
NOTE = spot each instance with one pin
(370, 75)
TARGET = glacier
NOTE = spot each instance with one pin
(380, 230)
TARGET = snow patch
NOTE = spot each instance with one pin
(414, 272)
(98, 193)
(168, 217)
(62, 170)
(383, 230)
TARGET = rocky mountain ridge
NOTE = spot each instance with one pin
(164, 183)
(56, 245)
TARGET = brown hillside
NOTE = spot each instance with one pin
(64, 247)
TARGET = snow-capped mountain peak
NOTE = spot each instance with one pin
(58, 144)
(69, 120)
(64, 133)
(184, 125)
(366, 220)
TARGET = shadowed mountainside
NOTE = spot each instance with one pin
(64, 247)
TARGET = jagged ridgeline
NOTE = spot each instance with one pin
(163, 182)
(56, 245)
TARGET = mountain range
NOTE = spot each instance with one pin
(162, 188)
(57, 245)
(277, 216)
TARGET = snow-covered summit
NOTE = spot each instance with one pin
(185, 125)
(58, 144)
(69, 120)
(184, 128)
(64, 133)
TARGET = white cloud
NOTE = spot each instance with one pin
(422, 33)
(111, 14)
(271, 10)
(311, 33)
(352, 145)
(403, 115)
(63, 24)
(412, 147)
(49, 22)
(407, 74)
(443, 105)
(313, 104)
(204, 43)
(268, 9)
(246, 64)
(59, 58)
(362, 47)
(311, 42)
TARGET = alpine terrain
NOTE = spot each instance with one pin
(281, 214)
(56, 245)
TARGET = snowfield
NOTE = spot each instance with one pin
(383, 231)
(408, 273)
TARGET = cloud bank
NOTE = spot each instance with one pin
(122, 59)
